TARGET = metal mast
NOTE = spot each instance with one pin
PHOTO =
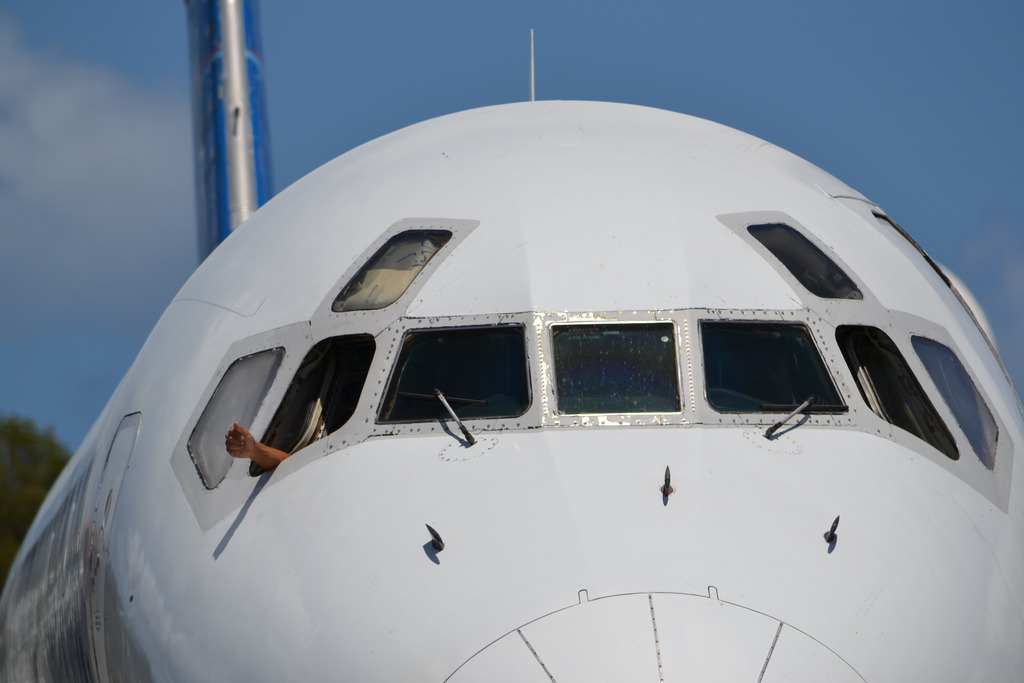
(228, 116)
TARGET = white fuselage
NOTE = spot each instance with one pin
(562, 558)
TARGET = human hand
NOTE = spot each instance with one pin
(239, 442)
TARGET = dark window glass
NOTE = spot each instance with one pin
(890, 388)
(236, 399)
(324, 392)
(808, 264)
(764, 367)
(961, 396)
(480, 370)
(386, 276)
(616, 368)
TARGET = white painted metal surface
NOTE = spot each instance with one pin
(557, 537)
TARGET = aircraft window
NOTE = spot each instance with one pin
(387, 275)
(961, 396)
(236, 398)
(480, 370)
(324, 392)
(616, 368)
(807, 263)
(890, 388)
(765, 367)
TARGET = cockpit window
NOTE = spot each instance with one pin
(890, 388)
(323, 394)
(480, 370)
(805, 261)
(764, 367)
(961, 396)
(615, 368)
(236, 399)
(386, 276)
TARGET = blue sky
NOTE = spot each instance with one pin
(916, 104)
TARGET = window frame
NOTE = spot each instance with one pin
(740, 223)
(677, 358)
(327, 343)
(393, 360)
(376, 320)
(354, 284)
(804, 247)
(828, 371)
(883, 411)
(989, 458)
(198, 438)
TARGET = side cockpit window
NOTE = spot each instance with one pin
(962, 397)
(616, 368)
(236, 399)
(388, 274)
(890, 388)
(819, 274)
(481, 371)
(324, 392)
(765, 367)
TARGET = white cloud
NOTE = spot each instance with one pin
(96, 201)
(97, 227)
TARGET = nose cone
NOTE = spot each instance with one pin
(655, 637)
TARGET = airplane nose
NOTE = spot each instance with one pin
(655, 637)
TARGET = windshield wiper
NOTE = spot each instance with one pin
(451, 411)
(452, 399)
(813, 408)
(778, 425)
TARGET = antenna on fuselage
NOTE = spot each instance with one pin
(532, 91)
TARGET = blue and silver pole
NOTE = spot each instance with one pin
(229, 118)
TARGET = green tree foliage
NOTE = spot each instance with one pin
(30, 460)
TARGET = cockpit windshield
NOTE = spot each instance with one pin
(764, 367)
(616, 368)
(481, 371)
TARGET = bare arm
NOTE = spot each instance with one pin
(240, 443)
